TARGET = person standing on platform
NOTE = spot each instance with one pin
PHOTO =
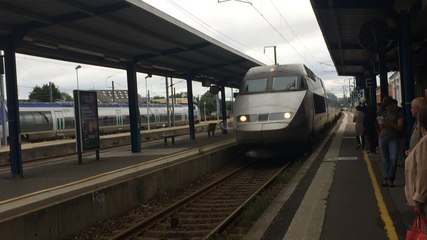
(389, 139)
(369, 126)
(358, 118)
(416, 170)
(416, 105)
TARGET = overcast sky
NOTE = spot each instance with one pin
(246, 26)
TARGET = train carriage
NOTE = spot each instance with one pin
(280, 109)
(46, 121)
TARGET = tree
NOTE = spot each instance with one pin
(210, 101)
(65, 97)
(48, 93)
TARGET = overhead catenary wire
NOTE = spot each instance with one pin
(213, 30)
(293, 32)
(284, 38)
(221, 35)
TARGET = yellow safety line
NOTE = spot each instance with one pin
(389, 227)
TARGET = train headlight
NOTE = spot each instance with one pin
(243, 118)
(280, 116)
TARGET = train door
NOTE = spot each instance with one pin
(59, 120)
(119, 119)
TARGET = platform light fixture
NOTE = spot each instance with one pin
(77, 75)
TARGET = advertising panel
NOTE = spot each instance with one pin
(87, 127)
(89, 120)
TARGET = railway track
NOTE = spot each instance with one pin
(208, 211)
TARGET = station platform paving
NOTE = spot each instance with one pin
(337, 194)
(54, 173)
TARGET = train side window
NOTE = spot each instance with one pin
(42, 117)
(112, 121)
(69, 122)
(25, 118)
(319, 104)
(152, 118)
(310, 83)
(178, 117)
(126, 119)
(255, 85)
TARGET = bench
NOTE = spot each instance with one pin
(170, 135)
(211, 129)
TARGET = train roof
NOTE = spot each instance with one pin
(71, 104)
(293, 69)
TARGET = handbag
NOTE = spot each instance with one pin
(417, 232)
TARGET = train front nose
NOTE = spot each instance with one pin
(261, 133)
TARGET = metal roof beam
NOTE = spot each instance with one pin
(361, 4)
(43, 21)
(79, 6)
(26, 13)
(346, 46)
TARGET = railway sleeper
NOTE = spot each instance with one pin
(176, 234)
(201, 215)
(197, 221)
(219, 201)
(208, 225)
(210, 209)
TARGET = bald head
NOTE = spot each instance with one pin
(417, 104)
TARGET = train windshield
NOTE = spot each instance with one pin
(255, 85)
(273, 84)
(283, 83)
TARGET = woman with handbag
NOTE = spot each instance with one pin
(416, 175)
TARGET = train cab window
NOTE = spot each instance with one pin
(126, 119)
(284, 83)
(255, 85)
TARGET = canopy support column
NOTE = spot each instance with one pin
(13, 107)
(383, 74)
(190, 108)
(134, 115)
(406, 74)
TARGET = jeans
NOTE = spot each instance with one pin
(389, 153)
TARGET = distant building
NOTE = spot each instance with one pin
(395, 89)
(120, 96)
(389, 90)
(177, 100)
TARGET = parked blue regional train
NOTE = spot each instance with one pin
(45, 120)
(280, 109)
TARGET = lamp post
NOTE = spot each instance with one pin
(79, 133)
(147, 100)
(2, 99)
(77, 75)
(204, 109)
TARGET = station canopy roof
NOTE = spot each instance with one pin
(355, 31)
(114, 33)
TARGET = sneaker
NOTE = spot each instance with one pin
(384, 184)
(371, 153)
(358, 146)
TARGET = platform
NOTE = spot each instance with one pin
(57, 198)
(337, 195)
